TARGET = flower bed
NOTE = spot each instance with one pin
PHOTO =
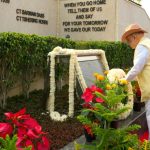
(59, 133)
(101, 109)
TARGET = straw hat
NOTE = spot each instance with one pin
(133, 28)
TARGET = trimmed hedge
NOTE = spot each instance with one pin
(27, 47)
(21, 55)
(118, 55)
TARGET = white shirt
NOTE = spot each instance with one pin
(142, 55)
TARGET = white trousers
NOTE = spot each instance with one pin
(147, 108)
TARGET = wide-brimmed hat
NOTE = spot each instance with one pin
(133, 28)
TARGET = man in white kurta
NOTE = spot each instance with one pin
(134, 37)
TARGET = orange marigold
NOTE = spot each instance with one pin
(100, 77)
(108, 87)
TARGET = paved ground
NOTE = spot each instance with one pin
(70, 146)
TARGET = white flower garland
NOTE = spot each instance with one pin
(50, 106)
(74, 65)
(114, 74)
(71, 84)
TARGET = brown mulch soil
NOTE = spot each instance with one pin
(59, 133)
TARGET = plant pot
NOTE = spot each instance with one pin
(115, 124)
(138, 98)
(137, 106)
(88, 137)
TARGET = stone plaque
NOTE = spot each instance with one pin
(81, 18)
(90, 65)
(24, 16)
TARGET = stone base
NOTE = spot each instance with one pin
(136, 117)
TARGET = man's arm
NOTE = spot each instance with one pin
(141, 59)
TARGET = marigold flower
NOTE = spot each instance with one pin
(108, 87)
(123, 81)
(100, 77)
(113, 85)
(106, 72)
(95, 75)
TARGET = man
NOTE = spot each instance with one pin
(134, 37)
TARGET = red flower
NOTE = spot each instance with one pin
(89, 94)
(88, 129)
(30, 123)
(31, 134)
(29, 143)
(5, 128)
(96, 89)
(86, 105)
(15, 117)
(28, 130)
(138, 92)
(144, 136)
(99, 100)
(33, 125)
(44, 145)
(22, 136)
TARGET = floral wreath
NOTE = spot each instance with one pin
(74, 70)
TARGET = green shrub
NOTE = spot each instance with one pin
(22, 55)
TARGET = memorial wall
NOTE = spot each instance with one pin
(87, 19)
(129, 12)
(74, 19)
(99, 19)
(28, 16)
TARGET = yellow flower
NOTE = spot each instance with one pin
(100, 77)
(95, 75)
(113, 85)
(123, 81)
(108, 87)
(106, 72)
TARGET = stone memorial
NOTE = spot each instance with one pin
(74, 19)
(75, 72)
(29, 17)
(89, 65)
(82, 65)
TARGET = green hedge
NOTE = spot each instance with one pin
(21, 55)
(118, 55)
